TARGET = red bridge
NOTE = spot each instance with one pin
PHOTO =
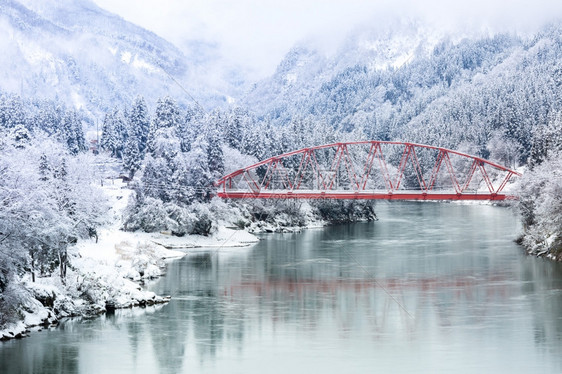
(370, 170)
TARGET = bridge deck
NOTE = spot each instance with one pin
(365, 194)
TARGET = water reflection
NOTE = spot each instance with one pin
(430, 287)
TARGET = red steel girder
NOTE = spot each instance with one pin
(363, 195)
(324, 186)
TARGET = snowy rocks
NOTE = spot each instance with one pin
(134, 300)
(13, 331)
(264, 227)
(542, 245)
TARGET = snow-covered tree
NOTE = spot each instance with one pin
(215, 157)
(72, 133)
(48, 202)
(12, 112)
(199, 177)
(114, 133)
(167, 114)
(541, 207)
(139, 123)
(21, 136)
(132, 157)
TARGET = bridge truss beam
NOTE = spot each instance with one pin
(361, 170)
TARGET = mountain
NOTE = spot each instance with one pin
(76, 52)
(306, 68)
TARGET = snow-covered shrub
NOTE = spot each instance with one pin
(148, 214)
(203, 223)
(339, 211)
(10, 300)
(181, 220)
(283, 212)
(152, 215)
(540, 205)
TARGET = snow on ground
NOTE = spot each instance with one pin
(118, 255)
(223, 237)
(104, 272)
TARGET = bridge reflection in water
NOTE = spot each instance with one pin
(370, 170)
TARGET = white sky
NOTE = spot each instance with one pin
(257, 33)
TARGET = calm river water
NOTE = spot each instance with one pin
(435, 288)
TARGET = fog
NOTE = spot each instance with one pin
(257, 33)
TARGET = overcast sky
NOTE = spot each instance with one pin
(257, 33)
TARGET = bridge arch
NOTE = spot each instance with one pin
(370, 170)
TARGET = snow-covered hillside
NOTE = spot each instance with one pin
(306, 68)
(87, 57)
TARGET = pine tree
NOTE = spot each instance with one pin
(215, 157)
(21, 136)
(167, 114)
(200, 178)
(48, 117)
(66, 133)
(12, 112)
(79, 137)
(108, 141)
(71, 133)
(114, 133)
(234, 127)
(132, 158)
(44, 168)
(139, 123)
(120, 127)
(186, 133)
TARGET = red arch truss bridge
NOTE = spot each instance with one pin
(370, 170)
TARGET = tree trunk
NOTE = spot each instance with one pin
(32, 267)
(63, 259)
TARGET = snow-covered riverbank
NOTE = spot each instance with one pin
(107, 272)
(101, 276)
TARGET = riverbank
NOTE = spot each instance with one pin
(97, 281)
(107, 272)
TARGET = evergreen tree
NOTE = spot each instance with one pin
(255, 142)
(79, 137)
(187, 132)
(120, 126)
(44, 168)
(200, 178)
(166, 117)
(238, 120)
(167, 114)
(161, 165)
(71, 133)
(215, 157)
(109, 139)
(114, 133)
(21, 136)
(139, 123)
(12, 112)
(132, 158)
(48, 117)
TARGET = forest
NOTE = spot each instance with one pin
(497, 97)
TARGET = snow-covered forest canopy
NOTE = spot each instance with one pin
(498, 97)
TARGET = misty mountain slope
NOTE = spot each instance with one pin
(305, 69)
(297, 75)
(451, 92)
(84, 17)
(87, 57)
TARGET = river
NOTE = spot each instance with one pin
(430, 287)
